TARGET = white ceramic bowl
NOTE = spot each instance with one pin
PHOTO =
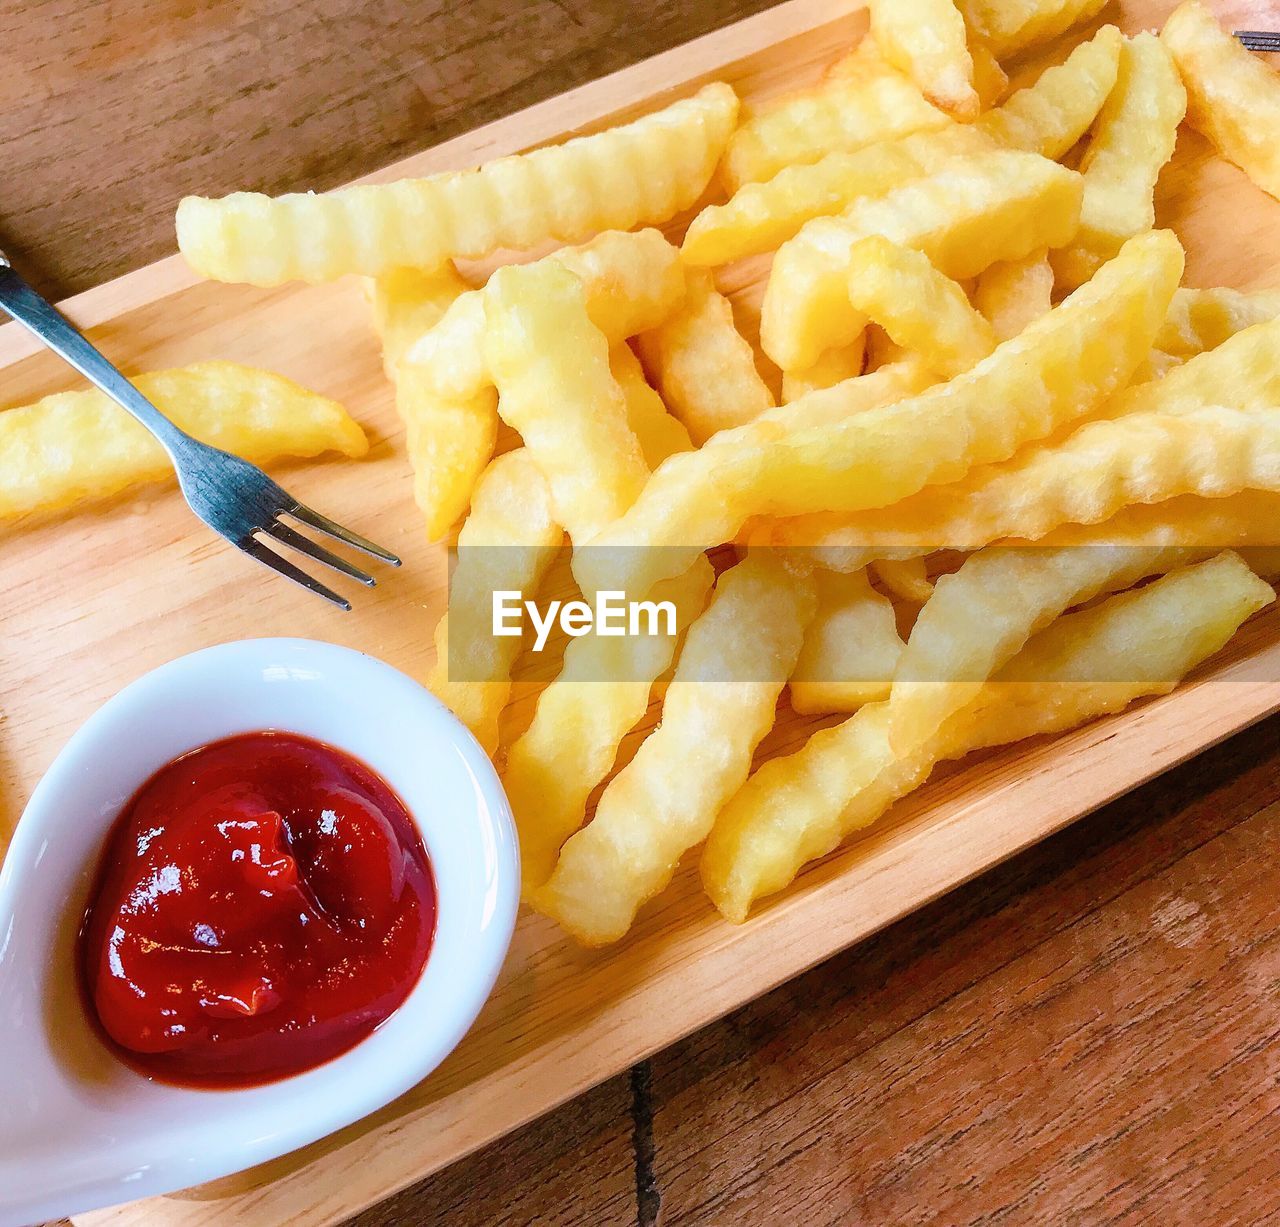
(78, 1130)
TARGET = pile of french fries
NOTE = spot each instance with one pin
(958, 495)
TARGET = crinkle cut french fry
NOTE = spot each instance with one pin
(77, 447)
(980, 616)
(835, 366)
(996, 206)
(921, 310)
(926, 39)
(1132, 140)
(642, 173)
(506, 544)
(906, 578)
(659, 433)
(551, 365)
(450, 439)
(720, 704)
(631, 282)
(1204, 319)
(1059, 370)
(798, 808)
(601, 694)
(1011, 26)
(843, 113)
(1248, 519)
(851, 647)
(1015, 293)
(703, 366)
(1233, 98)
(1046, 118)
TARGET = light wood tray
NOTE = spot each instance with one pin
(92, 601)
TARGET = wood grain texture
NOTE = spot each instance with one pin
(561, 1020)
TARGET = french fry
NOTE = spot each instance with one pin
(631, 282)
(851, 648)
(906, 578)
(702, 365)
(79, 447)
(450, 439)
(1204, 319)
(980, 616)
(920, 309)
(989, 80)
(1046, 118)
(1059, 370)
(600, 695)
(798, 808)
(843, 113)
(1236, 521)
(1012, 26)
(1233, 98)
(1014, 293)
(926, 39)
(835, 366)
(507, 543)
(1132, 140)
(551, 366)
(720, 704)
(659, 434)
(996, 206)
(639, 174)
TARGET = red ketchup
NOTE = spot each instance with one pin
(263, 904)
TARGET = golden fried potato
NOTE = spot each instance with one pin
(990, 81)
(996, 206)
(920, 309)
(1059, 370)
(1132, 140)
(450, 439)
(851, 648)
(1087, 664)
(1011, 26)
(600, 695)
(639, 174)
(632, 282)
(77, 447)
(1199, 320)
(906, 578)
(841, 114)
(1015, 293)
(720, 704)
(835, 366)
(1233, 98)
(659, 434)
(926, 39)
(507, 543)
(702, 365)
(551, 366)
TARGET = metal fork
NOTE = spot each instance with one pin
(1260, 40)
(233, 497)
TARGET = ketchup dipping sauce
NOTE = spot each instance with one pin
(264, 903)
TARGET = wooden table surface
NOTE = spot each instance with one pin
(1086, 1034)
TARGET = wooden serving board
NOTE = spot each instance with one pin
(93, 600)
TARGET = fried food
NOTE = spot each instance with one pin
(659, 434)
(1204, 319)
(996, 206)
(720, 704)
(845, 112)
(1233, 98)
(78, 447)
(1094, 662)
(555, 386)
(920, 309)
(600, 695)
(906, 578)
(835, 366)
(851, 648)
(702, 365)
(507, 543)
(1012, 26)
(927, 40)
(639, 174)
(1132, 140)
(1015, 293)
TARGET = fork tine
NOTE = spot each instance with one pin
(321, 523)
(268, 557)
(286, 536)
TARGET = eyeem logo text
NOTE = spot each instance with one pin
(612, 615)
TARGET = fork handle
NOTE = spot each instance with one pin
(43, 320)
